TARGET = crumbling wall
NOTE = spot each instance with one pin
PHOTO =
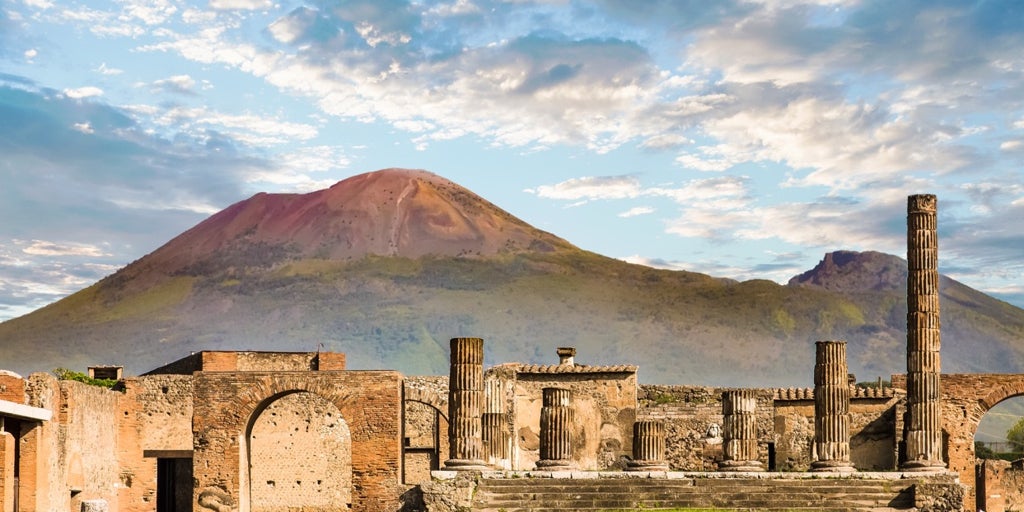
(300, 456)
(41, 474)
(426, 426)
(693, 419)
(369, 401)
(605, 410)
(12, 387)
(155, 419)
(89, 452)
(872, 430)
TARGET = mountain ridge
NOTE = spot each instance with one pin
(387, 266)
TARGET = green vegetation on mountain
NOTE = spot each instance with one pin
(389, 281)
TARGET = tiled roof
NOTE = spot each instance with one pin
(575, 368)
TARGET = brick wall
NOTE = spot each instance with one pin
(88, 454)
(370, 403)
(155, 415)
(12, 387)
(301, 456)
(7, 471)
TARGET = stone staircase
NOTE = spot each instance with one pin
(525, 494)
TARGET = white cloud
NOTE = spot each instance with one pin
(637, 211)
(104, 70)
(31, 54)
(1012, 145)
(83, 127)
(250, 5)
(180, 84)
(590, 187)
(45, 248)
(83, 92)
(250, 129)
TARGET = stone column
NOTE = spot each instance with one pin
(648, 447)
(924, 408)
(739, 429)
(556, 423)
(831, 408)
(465, 404)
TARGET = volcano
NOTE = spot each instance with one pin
(388, 265)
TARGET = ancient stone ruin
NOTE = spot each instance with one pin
(270, 431)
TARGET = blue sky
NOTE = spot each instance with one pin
(741, 139)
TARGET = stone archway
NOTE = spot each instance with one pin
(299, 455)
(965, 400)
(225, 404)
(426, 432)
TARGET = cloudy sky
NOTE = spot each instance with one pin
(740, 138)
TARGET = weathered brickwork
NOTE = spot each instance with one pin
(155, 419)
(226, 403)
(426, 426)
(300, 456)
(87, 426)
(7, 441)
(12, 387)
(247, 361)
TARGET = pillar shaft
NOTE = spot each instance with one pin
(831, 408)
(739, 431)
(924, 417)
(556, 424)
(648, 447)
(465, 404)
(495, 438)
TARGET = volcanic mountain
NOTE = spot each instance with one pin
(387, 266)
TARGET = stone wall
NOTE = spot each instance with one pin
(41, 476)
(873, 437)
(370, 402)
(89, 452)
(300, 456)
(689, 413)
(605, 409)
(1000, 486)
(222, 361)
(426, 426)
(155, 420)
(12, 387)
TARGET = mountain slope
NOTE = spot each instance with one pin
(388, 266)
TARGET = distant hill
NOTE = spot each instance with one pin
(387, 266)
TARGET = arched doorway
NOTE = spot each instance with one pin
(299, 455)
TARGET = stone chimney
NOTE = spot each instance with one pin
(566, 355)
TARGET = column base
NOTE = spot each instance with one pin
(555, 465)
(465, 465)
(741, 465)
(832, 466)
(646, 465)
(923, 466)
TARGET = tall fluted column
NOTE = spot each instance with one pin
(831, 408)
(556, 423)
(739, 431)
(924, 408)
(495, 435)
(648, 447)
(465, 404)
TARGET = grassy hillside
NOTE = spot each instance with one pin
(385, 312)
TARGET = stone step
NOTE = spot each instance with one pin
(610, 494)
